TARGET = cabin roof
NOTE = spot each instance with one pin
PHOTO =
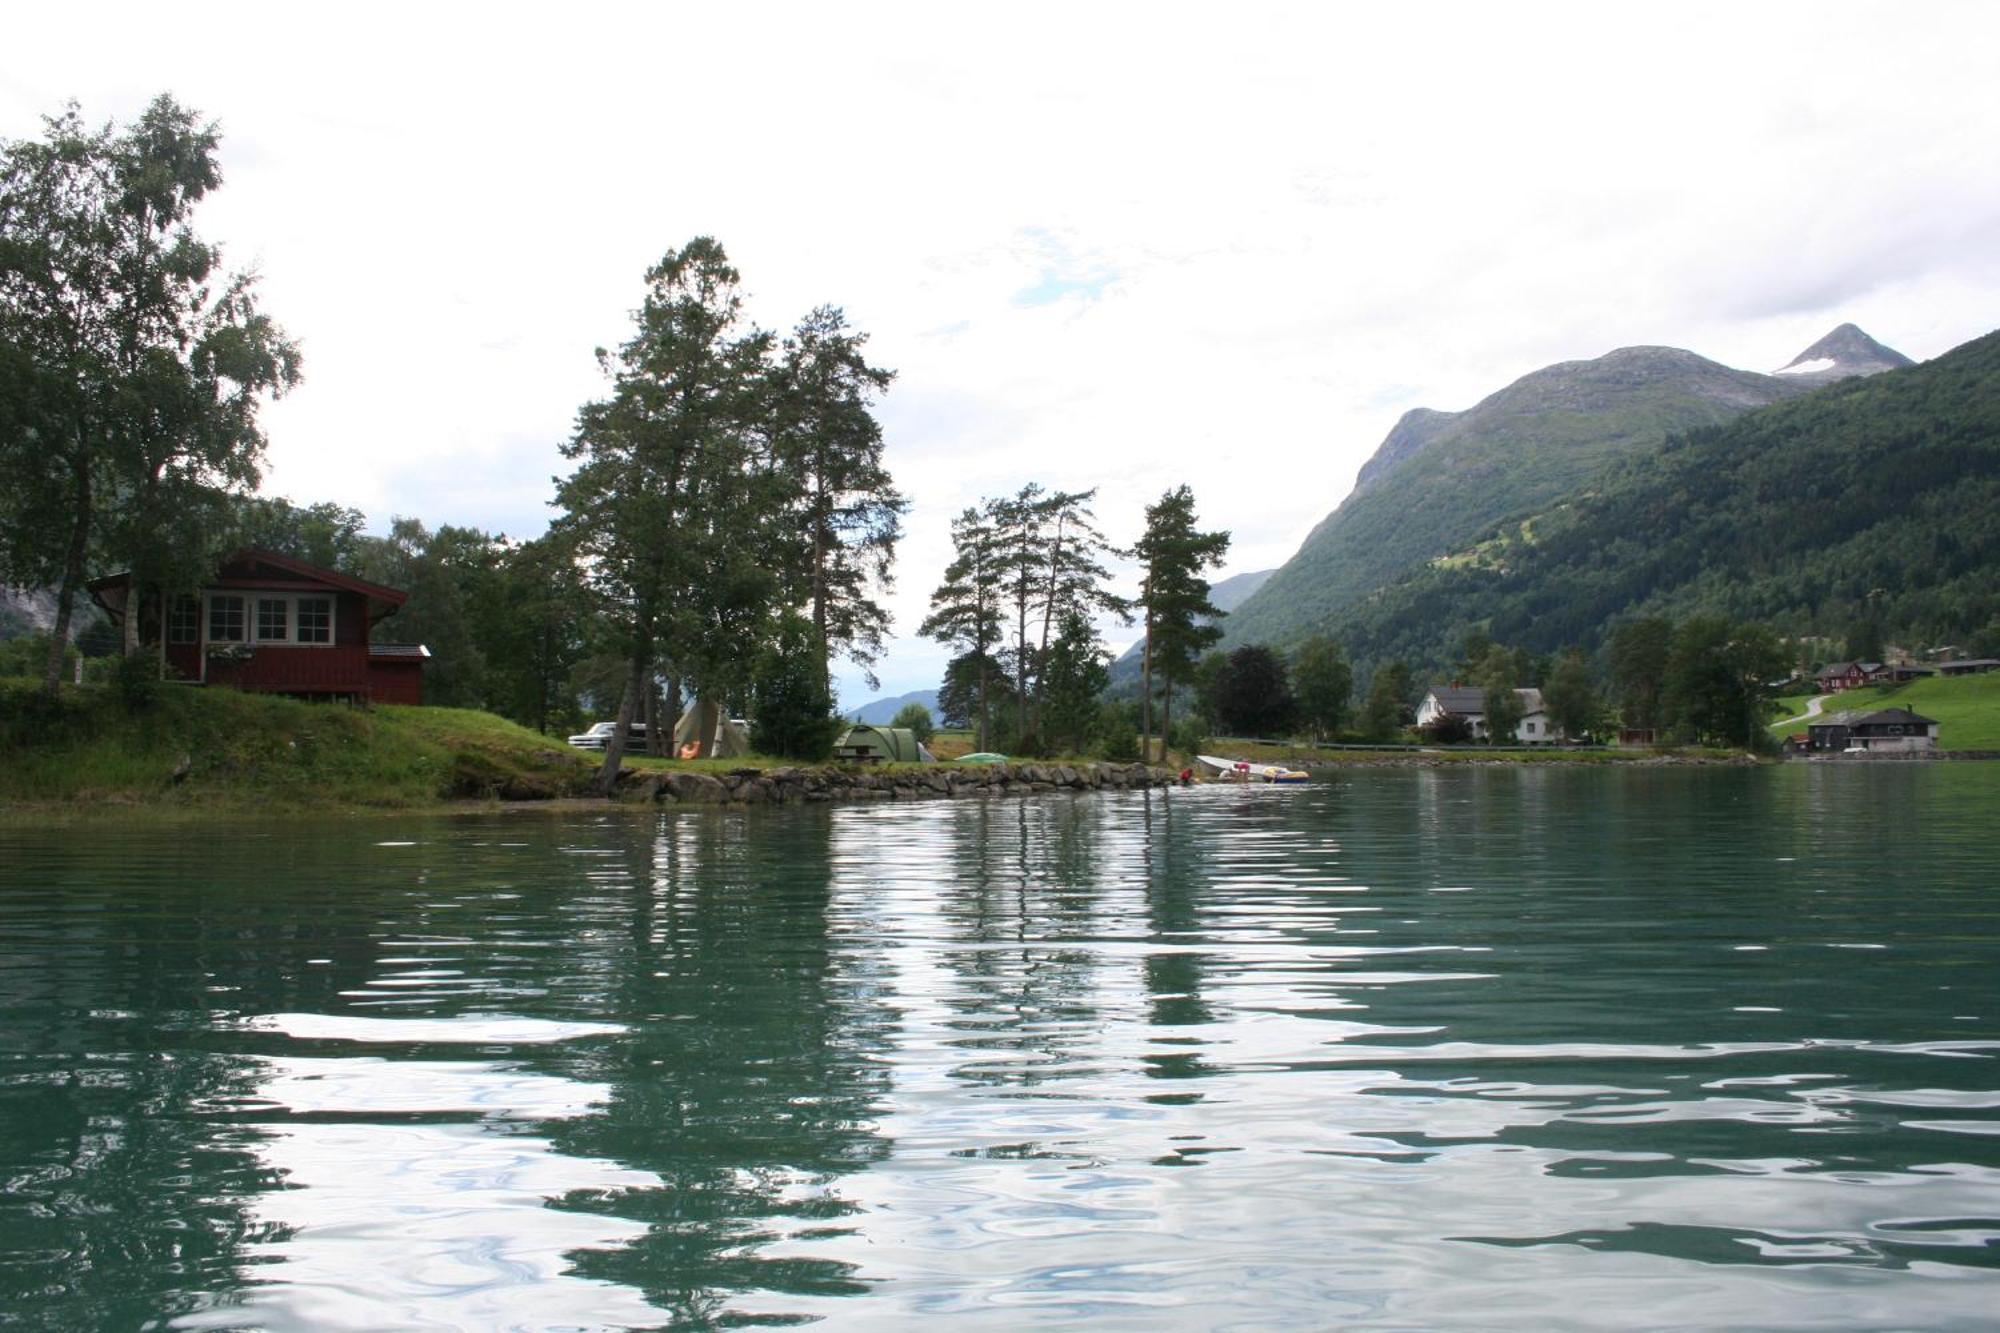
(382, 600)
(1459, 698)
(1876, 718)
(1470, 700)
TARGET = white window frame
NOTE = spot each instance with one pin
(283, 606)
(252, 598)
(208, 606)
(332, 609)
(192, 627)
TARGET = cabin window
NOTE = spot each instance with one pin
(273, 619)
(315, 620)
(225, 619)
(183, 620)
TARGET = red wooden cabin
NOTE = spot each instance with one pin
(271, 623)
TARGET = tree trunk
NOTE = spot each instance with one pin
(819, 581)
(1048, 615)
(1021, 661)
(1166, 717)
(543, 662)
(140, 575)
(628, 705)
(72, 579)
(979, 741)
(1146, 692)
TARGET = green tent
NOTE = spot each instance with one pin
(880, 744)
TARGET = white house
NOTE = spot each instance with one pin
(1469, 702)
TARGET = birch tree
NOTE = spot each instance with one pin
(134, 368)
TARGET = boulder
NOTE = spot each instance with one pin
(696, 789)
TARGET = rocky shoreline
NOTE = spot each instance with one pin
(784, 786)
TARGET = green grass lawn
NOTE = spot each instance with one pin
(1966, 708)
(201, 748)
(196, 749)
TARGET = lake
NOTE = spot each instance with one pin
(1536, 1048)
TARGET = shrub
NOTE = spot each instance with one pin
(1189, 734)
(137, 681)
(1117, 735)
(1446, 729)
(794, 710)
(917, 718)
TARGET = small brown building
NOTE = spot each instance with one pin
(1968, 666)
(278, 625)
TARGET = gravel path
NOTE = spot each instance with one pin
(1812, 711)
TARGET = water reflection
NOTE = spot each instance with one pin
(415, 1191)
(748, 1083)
(1424, 1049)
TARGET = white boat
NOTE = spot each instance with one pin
(1242, 770)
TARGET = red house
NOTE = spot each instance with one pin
(271, 623)
(1848, 676)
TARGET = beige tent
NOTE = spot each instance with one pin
(721, 737)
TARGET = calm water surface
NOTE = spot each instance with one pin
(1663, 1049)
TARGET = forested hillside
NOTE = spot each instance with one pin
(1441, 478)
(1874, 501)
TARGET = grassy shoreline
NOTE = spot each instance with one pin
(198, 753)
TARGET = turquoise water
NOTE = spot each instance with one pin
(1510, 1048)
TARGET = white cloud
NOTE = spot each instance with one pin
(1108, 246)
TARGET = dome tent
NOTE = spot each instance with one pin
(872, 744)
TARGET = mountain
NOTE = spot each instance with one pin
(1233, 591)
(1441, 478)
(881, 712)
(1843, 354)
(25, 611)
(1225, 597)
(1874, 498)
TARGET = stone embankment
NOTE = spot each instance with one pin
(780, 786)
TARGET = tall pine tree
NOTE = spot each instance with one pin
(1180, 620)
(848, 513)
(660, 460)
(966, 608)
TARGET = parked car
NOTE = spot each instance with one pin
(599, 735)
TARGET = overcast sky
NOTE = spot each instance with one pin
(1114, 246)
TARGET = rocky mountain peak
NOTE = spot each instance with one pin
(1417, 428)
(1842, 354)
